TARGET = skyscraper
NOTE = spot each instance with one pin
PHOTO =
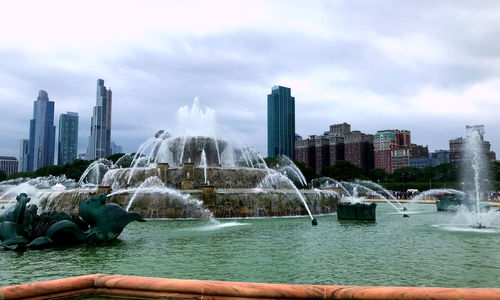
(23, 155)
(100, 129)
(42, 133)
(280, 122)
(68, 138)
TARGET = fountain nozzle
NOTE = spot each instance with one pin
(314, 222)
(406, 216)
(404, 208)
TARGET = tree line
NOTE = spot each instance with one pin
(73, 170)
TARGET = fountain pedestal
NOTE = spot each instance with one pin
(187, 176)
(162, 169)
(358, 211)
(208, 196)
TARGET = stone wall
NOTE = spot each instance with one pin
(220, 177)
(228, 203)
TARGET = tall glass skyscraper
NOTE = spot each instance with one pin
(280, 122)
(68, 138)
(23, 155)
(100, 128)
(42, 133)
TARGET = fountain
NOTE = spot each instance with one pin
(474, 170)
(351, 206)
(182, 173)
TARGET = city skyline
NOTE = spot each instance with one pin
(345, 62)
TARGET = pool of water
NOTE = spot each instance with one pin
(428, 249)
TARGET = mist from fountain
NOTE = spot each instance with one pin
(95, 172)
(351, 190)
(433, 193)
(204, 165)
(378, 188)
(276, 181)
(475, 170)
(290, 170)
(154, 185)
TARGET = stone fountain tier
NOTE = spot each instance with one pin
(219, 177)
(179, 150)
(223, 203)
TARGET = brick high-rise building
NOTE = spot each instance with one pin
(340, 143)
(305, 152)
(392, 149)
(359, 149)
(419, 156)
(457, 145)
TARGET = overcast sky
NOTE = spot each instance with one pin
(431, 67)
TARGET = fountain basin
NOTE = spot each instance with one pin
(357, 211)
(134, 287)
(224, 203)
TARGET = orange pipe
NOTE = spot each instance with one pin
(123, 286)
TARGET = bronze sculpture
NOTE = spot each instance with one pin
(22, 228)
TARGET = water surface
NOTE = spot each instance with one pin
(423, 250)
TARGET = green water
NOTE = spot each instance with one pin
(396, 251)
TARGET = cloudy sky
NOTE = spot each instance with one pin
(431, 67)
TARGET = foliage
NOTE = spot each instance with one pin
(377, 175)
(72, 171)
(76, 169)
(271, 161)
(115, 157)
(3, 175)
(22, 175)
(343, 170)
(406, 174)
(495, 170)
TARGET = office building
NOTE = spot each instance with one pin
(115, 149)
(419, 156)
(23, 155)
(439, 157)
(9, 165)
(42, 133)
(457, 146)
(100, 124)
(68, 138)
(280, 123)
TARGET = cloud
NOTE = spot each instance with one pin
(376, 65)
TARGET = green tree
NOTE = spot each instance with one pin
(377, 175)
(50, 170)
(447, 172)
(343, 170)
(407, 174)
(429, 173)
(3, 175)
(115, 157)
(495, 170)
(271, 162)
(76, 169)
(22, 175)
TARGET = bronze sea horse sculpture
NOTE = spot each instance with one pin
(98, 222)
